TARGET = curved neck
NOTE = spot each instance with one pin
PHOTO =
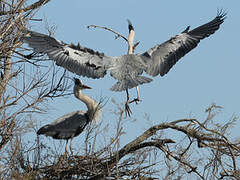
(93, 106)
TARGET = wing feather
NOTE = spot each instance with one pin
(67, 126)
(77, 59)
(162, 57)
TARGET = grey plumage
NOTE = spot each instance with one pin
(126, 69)
(73, 123)
(78, 59)
(161, 58)
(67, 126)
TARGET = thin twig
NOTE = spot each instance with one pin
(108, 29)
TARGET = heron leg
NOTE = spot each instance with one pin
(128, 111)
(66, 148)
(136, 100)
(71, 146)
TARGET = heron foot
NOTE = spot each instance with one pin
(128, 111)
(136, 100)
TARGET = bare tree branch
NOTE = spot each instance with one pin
(108, 29)
(33, 6)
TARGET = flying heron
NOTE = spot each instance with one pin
(126, 69)
(72, 124)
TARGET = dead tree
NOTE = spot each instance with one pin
(184, 148)
(24, 86)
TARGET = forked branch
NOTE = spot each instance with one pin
(108, 29)
(116, 33)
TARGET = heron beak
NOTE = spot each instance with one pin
(86, 87)
(130, 26)
(74, 79)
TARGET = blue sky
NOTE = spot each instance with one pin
(208, 74)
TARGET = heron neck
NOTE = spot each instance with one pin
(130, 42)
(92, 105)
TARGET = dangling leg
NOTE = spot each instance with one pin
(128, 111)
(138, 96)
(137, 100)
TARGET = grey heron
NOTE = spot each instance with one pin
(126, 69)
(72, 124)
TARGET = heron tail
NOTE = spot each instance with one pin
(130, 83)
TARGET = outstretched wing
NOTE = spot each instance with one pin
(87, 62)
(161, 58)
(77, 59)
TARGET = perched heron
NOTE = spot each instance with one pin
(73, 123)
(126, 69)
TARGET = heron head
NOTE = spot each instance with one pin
(79, 83)
(130, 26)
